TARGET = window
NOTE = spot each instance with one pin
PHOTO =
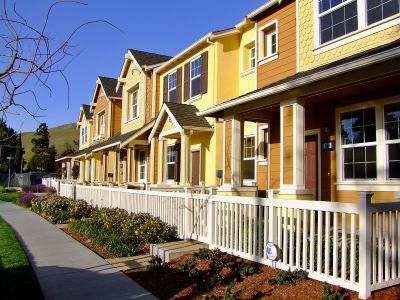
(171, 162)
(195, 77)
(102, 124)
(340, 17)
(249, 57)
(249, 158)
(172, 87)
(132, 105)
(378, 10)
(269, 40)
(252, 57)
(358, 139)
(142, 166)
(263, 143)
(392, 139)
(83, 135)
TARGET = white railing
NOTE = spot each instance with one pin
(50, 182)
(353, 245)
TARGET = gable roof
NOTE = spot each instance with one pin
(184, 116)
(86, 111)
(110, 87)
(147, 58)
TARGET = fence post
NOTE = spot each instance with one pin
(119, 197)
(364, 268)
(210, 218)
(188, 215)
(58, 187)
(74, 190)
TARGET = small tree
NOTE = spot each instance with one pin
(44, 155)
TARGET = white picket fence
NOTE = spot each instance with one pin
(353, 245)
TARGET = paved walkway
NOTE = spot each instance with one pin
(65, 268)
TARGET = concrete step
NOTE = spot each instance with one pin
(172, 250)
(129, 263)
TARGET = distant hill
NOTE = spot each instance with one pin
(60, 137)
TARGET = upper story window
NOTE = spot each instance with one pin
(195, 77)
(172, 87)
(83, 135)
(340, 17)
(195, 74)
(268, 40)
(132, 107)
(249, 57)
(101, 123)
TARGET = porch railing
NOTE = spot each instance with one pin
(353, 245)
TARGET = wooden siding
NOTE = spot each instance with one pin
(102, 103)
(116, 116)
(149, 104)
(285, 65)
(288, 145)
(228, 152)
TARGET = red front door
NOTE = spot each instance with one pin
(311, 164)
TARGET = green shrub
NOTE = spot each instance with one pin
(330, 295)
(156, 263)
(289, 277)
(2, 189)
(79, 209)
(144, 228)
(111, 218)
(246, 270)
(229, 293)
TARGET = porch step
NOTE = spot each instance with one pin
(129, 263)
(172, 250)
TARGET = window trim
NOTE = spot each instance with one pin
(388, 142)
(176, 84)
(130, 104)
(363, 30)
(381, 183)
(262, 34)
(169, 163)
(98, 121)
(261, 159)
(197, 76)
(250, 181)
(142, 165)
(246, 49)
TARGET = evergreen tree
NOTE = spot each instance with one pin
(19, 153)
(44, 155)
(9, 146)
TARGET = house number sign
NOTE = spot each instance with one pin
(272, 251)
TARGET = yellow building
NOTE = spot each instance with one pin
(218, 67)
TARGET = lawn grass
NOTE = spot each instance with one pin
(10, 197)
(17, 279)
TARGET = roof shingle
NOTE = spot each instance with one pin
(147, 58)
(186, 115)
(86, 111)
(109, 86)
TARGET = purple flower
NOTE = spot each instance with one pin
(27, 198)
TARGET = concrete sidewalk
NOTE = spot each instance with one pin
(65, 268)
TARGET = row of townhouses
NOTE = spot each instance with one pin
(301, 99)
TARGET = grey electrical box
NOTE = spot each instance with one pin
(328, 146)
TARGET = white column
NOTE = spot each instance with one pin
(81, 170)
(93, 169)
(185, 150)
(161, 162)
(115, 167)
(236, 156)
(128, 164)
(104, 171)
(68, 170)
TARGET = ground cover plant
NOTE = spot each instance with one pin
(17, 279)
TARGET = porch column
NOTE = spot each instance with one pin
(93, 169)
(236, 156)
(128, 163)
(104, 171)
(81, 170)
(153, 162)
(185, 150)
(115, 167)
(292, 149)
(161, 146)
(68, 170)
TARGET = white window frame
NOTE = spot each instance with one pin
(252, 58)
(265, 53)
(142, 165)
(101, 120)
(388, 142)
(171, 89)
(133, 106)
(363, 30)
(261, 157)
(84, 135)
(195, 77)
(381, 183)
(250, 181)
(248, 58)
(167, 163)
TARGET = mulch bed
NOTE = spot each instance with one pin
(169, 283)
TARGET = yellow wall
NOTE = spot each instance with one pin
(131, 80)
(247, 76)
(309, 60)
(89, 125)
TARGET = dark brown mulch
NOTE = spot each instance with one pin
(169, 283)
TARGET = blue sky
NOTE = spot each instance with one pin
(165, 27)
